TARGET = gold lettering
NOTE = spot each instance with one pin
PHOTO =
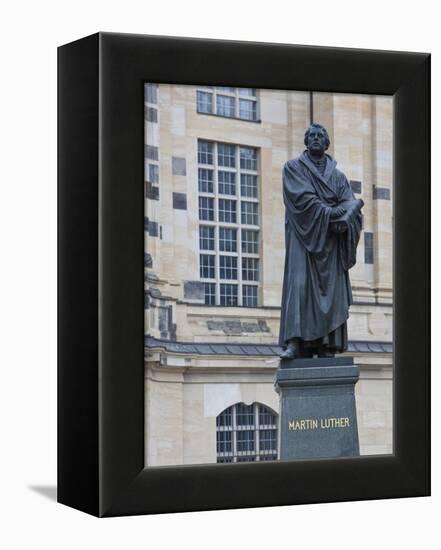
(303, 424)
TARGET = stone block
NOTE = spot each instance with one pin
(318, 417)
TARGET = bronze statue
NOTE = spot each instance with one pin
(322, 228)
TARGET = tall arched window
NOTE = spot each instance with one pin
(246, 433)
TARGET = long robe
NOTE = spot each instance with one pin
(316, 291)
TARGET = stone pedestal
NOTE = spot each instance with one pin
(318, 418)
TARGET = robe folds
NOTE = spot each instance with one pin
(316, 292)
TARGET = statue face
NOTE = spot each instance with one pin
(316, 143)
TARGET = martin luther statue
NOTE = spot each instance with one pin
(322, 229)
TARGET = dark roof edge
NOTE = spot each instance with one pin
(230, 348)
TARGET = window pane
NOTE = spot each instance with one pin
(205, 152)
(227, 182)
(248, 185)
(247, 109)
(245, 440)
(207, 266)
(248, 158)
(267, 440)
(250, 269)
(224, 442)
(206, 208)
(228, 295)
(225, 105)
(226, 155)
(205, 178)
(249, 213)
(247, 91)
(227, 210)
(228, 267)
(206, 238)
(249, 295)
(227, 239)
(266, 416)
(210, 294)
(250, 241)
(205, 102)
(244, 415)
(153, 173)
(225, 418)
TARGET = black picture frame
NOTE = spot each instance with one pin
(101, 272)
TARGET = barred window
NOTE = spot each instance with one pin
(231, 234)
(246, 433)
(228, 102)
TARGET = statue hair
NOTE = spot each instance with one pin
(315, 125)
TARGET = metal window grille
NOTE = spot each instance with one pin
(246, 433)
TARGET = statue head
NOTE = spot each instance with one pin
(316, 139)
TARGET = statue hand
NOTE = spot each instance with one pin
(337, 212)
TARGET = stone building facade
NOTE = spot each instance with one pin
(214, 254)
